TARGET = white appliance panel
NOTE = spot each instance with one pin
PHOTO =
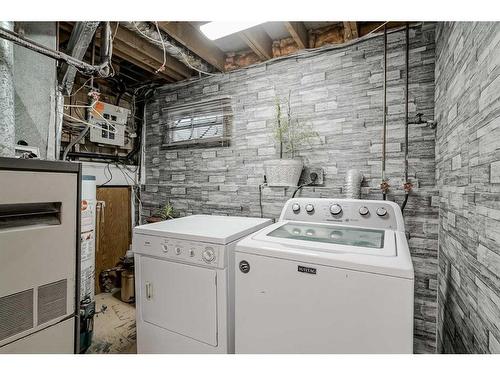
(180, 298)
(56, 339)
(205, 228)
(333, 310)
(40, 257)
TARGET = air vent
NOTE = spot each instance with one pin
(16, 313)
(52, 301)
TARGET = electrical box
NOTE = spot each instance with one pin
(110, 122)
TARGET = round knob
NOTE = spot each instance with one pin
(164, 248)
(309, 208)
(191, 253)
(296, 208)
(363, 210)
(335, 209)
(177, 250)
(381, 211)
(208, 255)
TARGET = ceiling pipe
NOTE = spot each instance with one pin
(101, 69)
(149, 32)
(7, 118)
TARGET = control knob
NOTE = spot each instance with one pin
(363, 210)
(164, 248)
(208, 255)
(296, 208)
(191, 253)
(309, 208)
(381, 211)
(335, 209)
(178, 251)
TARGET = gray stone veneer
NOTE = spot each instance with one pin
(340, 93)
(468, 177)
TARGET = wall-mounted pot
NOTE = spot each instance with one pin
(283, 172)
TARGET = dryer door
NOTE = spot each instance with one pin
(180, 298)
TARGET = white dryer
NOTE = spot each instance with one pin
(184, 271)
(332, 276)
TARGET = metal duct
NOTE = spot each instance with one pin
(147, 31)
(7, 114)
(353, 184)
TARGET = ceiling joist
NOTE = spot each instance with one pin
(350, 30)
(141, 60)
(189, 36)
(298, 32)
(172, 66)
(258, 41)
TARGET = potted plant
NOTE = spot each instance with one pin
(164, 213)
(290, 134)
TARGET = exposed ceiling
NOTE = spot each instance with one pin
(137, 57)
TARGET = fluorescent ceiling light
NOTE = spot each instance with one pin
(216, 30)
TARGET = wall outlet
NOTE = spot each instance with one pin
(305, 177)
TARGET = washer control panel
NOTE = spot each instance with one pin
(353, 212)
(198, 253)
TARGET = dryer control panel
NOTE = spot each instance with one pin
(192, 252)
(353, 212)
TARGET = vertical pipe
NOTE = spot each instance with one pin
(7, 111)
(384, 137)
(407, 185)
(407, 68)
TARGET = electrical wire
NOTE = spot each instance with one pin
(314, 177)
(110, 174)
(162, 67)
(184, 56)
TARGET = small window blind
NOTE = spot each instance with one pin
(198, 123)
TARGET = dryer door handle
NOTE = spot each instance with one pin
(149, 291)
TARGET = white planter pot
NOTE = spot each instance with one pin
(283, 172)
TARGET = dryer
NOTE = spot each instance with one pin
(184, 283)
(331, 276)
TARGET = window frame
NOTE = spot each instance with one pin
(215, 107)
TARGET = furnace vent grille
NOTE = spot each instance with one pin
(16, 313)
(52, 301)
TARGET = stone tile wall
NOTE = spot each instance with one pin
(468, 177)
(339, 91)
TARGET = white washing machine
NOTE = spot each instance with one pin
(184, 277)
(331, 276)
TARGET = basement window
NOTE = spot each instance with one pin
(202, 123)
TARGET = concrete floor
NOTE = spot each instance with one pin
(114, 329)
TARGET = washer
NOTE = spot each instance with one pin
(184, 283)
(331, 276)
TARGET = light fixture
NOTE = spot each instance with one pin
(216, 30)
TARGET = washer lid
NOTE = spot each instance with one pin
(331, 238)
(205, 228)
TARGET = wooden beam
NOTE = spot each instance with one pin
(298, 32)
(142, 61)
(138, 44)
(257, 39)
(189, 36)
(350, 30)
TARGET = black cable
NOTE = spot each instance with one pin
(260, 200)
(314, 177)
(110, 173)
(404, 202)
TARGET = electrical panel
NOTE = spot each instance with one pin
(110, 122)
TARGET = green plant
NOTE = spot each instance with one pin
(289, 132)
(166, 212)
